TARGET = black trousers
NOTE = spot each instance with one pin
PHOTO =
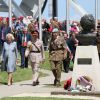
(24, 60)
(66, 63)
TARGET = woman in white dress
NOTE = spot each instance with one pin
(35, 50)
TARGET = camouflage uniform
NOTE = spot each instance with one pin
(57, 52)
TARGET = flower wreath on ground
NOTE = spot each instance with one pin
(84, 83)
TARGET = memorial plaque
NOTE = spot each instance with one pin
(84, 61)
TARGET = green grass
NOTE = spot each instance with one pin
(19, 75)
(46, 64)
(25, 74)
(38, 98)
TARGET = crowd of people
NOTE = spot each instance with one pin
(23, 37)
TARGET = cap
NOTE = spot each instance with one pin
(13, 18)
(1, 18)
(55, 30)
(75, 24)
(35, 32)
(20, 18)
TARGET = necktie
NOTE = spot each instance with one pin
(2, 35)
(24, 40)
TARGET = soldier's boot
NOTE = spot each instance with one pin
(37, 82)
(58, 77)
(58, 83)
(34, 84)
(55, 75)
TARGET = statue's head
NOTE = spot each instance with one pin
(87, 22)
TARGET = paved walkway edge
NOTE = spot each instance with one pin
(57, 96)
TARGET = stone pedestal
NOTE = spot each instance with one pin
(87, 64)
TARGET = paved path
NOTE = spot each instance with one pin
(26, 86)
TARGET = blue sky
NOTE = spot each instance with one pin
(88, 5)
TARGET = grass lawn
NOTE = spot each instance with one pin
(46, 64)
(25, 74)
(38, 98)
(19, 75)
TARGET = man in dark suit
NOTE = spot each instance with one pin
(5, 29)
(22, 39)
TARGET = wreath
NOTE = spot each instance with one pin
(84, 83)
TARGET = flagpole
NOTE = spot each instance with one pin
(40, 20)
(10, 12)
(96, 14)
(67, 17)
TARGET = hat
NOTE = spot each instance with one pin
(55, 30)
(75, 24)
(1, 18)
(20, 18)
(13, 18)
(35, 32)
(7, 18)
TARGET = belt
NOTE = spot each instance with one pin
(35, 51)
(57, 49)
(24, 46)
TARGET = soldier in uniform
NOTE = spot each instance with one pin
(35, 50)
(57, 52)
